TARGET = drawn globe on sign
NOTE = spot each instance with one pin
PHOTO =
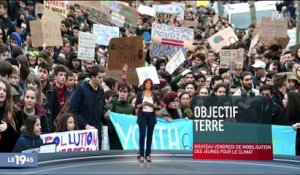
(218, 39)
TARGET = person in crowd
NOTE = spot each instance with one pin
(29, 106)
(204, 91)
(86, 96)
(185, 105)
(198, 61)
(291, 102)
(66, 122)
(122, 106)
(70, 82)
(145, 106)
(180, 81)
(34, 80)
(280, 88)
(277, 111)
(33, 60)
(6, 22)
(74, 64)
(30, 137)
(51, 102)
(260, 73)
(4, 52)
(217, 79)
(200, 80)
(246, 89)
(10, 120)
(5, 69)
(172, 110)
(191, 88)
(220, 89)
(291, 81)
(60, 72)
(14, 79)
(24, 70)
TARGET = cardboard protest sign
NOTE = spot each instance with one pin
(86, 46)
(104, 33)
(50, 15)
(45, 31)
(58, 7)
(39, 8)
(171, 35)
(202, 3)
(171, 8)
(98, 17)
(73, 141)
(145, 10)
(232, 59)
(165, 18)
(222, 38)
(130, 14)
(175, 61)
(117, 19)
(126, 51)
(147, 72)
(161, 50)
(188, 23)
(273, 27)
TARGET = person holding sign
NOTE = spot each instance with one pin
(146, 103)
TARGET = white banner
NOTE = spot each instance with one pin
(86, 46)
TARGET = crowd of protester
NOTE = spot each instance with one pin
(48, 89)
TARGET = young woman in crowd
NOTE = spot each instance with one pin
(29, 106)
(146, 103)
(172, 110)
(204, 91)
(66, 122)
(34, 80)
(185, 105)
(291, 102)
(220, 90)
(9, 118)
(30, 137)
(191, 88)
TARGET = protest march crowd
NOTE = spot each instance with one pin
(48, 84)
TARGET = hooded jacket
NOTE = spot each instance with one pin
(26, 142)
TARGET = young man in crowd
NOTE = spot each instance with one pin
(246, 89)
(60, 72)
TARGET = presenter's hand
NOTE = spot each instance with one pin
(296, 125)
(89, 127)
(3, 126)
(169, 119)
(106, 115)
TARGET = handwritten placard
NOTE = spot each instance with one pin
(45, 31)
(160, 50)
(86, 46)
(98, 16)
(222, 38)
(147, 72)
(58, 7)
(175, 61)
(273, 27)
(105, 33)
(171, 8)
(146, 10)
(232, 59)
(117, 19)
(171, 35)
(73, 141)
(164, 18)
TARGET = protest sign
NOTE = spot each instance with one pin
(170, 35)
(147, 72)
(222, 38)
(232, 59)
(39, 8)
(126, 51)
(145, 10)
(187, 24)
(58, 7)
(130, 14)
(104, 33)
(73, 141)
(202, 3)
(98, 17)
(161, 50)
(171, 8)
(175, 61)
(86, 46)
(273, 27)
(178, 135)
(117, 19)
(45, 31)
(165, 18)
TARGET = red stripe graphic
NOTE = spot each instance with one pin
(172, 40)
(233, 151)
(172, 44)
